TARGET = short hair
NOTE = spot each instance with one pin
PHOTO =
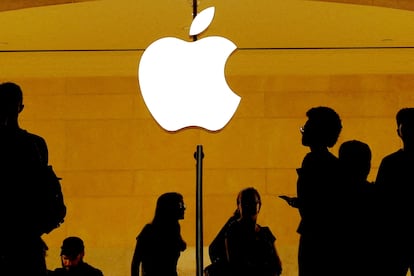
(405, 116)
(11, 96)
(328, 124)
(356, 156)
(11, 93)
(72, 246)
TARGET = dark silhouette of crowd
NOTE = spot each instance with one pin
(348, 225)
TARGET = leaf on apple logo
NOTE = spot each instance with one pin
(202, 21)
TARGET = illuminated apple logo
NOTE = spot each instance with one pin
(183, 83)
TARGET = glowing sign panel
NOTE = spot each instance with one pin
(183, 83)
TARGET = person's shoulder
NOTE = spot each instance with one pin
(147, 227)
(231, 220)
(33, 136)
(146, 230)
(93, 271)
(266, 233)
(315, 159)
(393, 157)
(264, 229)
(232, 228)
(58, 271)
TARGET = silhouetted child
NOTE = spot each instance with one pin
(160, 244)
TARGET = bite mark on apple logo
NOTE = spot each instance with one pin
(183, 83)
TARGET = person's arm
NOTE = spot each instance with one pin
(226, 244)
(135, 262)
(217, 248)
(292, 201)
(136, 259)
(233, 250)
(40, 147)
(278, 262)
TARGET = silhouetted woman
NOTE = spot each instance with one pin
(251, 249)
(159, 244)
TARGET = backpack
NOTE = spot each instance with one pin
(50, 209)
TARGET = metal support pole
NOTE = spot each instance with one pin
(199, 155)
(194, 15)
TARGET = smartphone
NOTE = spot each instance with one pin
(285, 197)
(292, 201)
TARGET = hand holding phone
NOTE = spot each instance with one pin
(292, 201)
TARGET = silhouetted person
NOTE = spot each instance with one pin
(71, 255)
(316, 192)
(251, 249)
(159, 244)
(395, 181)
(357, 229)
(22, 251)
(217, 248)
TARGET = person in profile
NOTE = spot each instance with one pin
(159, 244)
(358, 229)
(72, 257)
(395, 183)
(217, 248)
(250, 247)
(21, 154)
(317, 191)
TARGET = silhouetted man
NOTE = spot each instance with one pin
(357, 231)
(316, 193)
(72, 254)
(395, 182)
(22, 251)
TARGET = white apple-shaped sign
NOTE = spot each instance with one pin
(183, 83)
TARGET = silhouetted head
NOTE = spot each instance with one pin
(322, 127)
(72, 252)
(405, 124)
(11, 102)
(236, 213)
(250, 202)
(170, 208)
(355, 159)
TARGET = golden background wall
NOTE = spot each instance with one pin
(115, 160)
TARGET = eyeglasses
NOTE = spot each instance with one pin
(181, 206)
(302, 129)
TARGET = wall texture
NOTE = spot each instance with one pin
(115, 160)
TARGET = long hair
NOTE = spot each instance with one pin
(249, 199)
(167, 209)
(167, 214)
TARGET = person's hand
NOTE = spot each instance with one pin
(292, 201)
